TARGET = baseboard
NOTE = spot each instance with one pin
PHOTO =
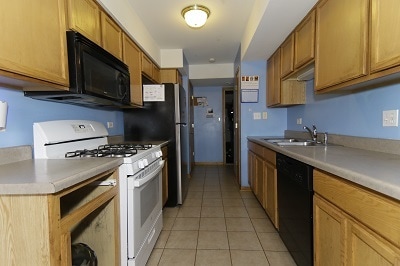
(208, 163)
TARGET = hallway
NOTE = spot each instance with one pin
(218, 225)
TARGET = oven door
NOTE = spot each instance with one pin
(144, 206)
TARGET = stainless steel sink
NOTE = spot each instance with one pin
(299, 143)
(281, 140)
(286, 142)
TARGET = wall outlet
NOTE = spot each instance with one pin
(390, 118)
(264, 115)
(256, 115)
(299, 121)
(110, 124)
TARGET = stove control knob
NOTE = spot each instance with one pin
(141, 164)
(158, 154)
(145, 162)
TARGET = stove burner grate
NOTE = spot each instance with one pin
(110, 150)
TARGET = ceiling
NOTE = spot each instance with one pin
(231, 22)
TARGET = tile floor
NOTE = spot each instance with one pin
(218, 225)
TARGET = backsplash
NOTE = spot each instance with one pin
(24, 111)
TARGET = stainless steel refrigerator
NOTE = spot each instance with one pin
(165, 120)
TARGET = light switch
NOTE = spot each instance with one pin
(390, 118)
(264, 115)
(256, 115)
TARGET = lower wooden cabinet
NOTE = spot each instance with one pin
(39, 229)
(164, 151)
(262, 175)
(352, 225)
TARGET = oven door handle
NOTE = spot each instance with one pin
(142, 181)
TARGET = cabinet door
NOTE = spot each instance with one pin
(84, 17)
(259, 173)
(147, 66)
(304, 39)
(274, 80)
(165, 175)
(156, 74)
(270, 197)
(33, 42)
(385, 34)
(133, 58)
(251, 170)
(111, 36)
(341, 41)
(365, 248)
(329, 234)
(287, 56)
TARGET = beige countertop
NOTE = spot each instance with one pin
(46, 176)
(374, 170)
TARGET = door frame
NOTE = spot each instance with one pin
(237, 128)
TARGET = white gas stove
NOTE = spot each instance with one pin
(139, 178)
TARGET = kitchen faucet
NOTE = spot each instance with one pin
(313, 132)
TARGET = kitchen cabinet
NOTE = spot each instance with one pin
(304, 39)
(33, 49)
(171, 75)
(150, 70)
(274, 79)
(147, 66)
(287, 56)
(84, 17)
(385, 37)
(353, 225)
(282, 93)
(39, 229)
(341, 41)
(164, 151)
(156, 74)
(132, 57)
(111, 36)
(262, 175)
(270, 186)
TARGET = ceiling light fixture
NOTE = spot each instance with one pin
(195, 15)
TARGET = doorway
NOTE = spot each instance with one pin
(228, 131)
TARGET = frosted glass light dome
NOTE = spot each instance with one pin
(196, 15)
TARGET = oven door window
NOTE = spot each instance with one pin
(149, 197)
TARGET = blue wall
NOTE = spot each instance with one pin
(24, 111)
(274, 125)
(208, 139)
(355, 114)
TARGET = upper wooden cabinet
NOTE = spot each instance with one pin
(341, 41)
(111, 36)
(147, 66)
(287, 56)
(282, 93)
(274, 79)
(385, 34)
(156, 74)
(170, 75)
(84, 17)
(304, 39)
(133, 58)
(150, 70)
(31, 47)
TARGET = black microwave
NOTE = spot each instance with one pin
(96, 77)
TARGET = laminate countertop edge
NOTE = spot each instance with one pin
(48, 176)
(377, 171)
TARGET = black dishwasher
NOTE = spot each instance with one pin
(295, 192)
